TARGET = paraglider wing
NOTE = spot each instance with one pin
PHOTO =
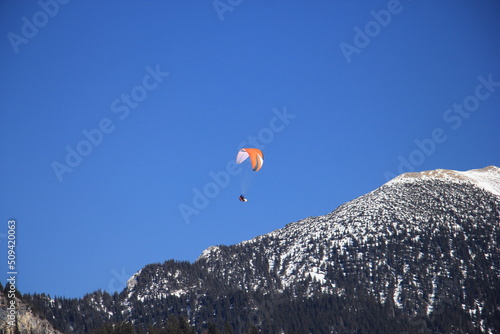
(256, 157)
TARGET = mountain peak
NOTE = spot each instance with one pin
(390, 261)
(487, 178)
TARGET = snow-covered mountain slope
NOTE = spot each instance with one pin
(487, 178)
(420, 239)
(403, 210)
(420, 253)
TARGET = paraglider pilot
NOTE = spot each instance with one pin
(242, 198)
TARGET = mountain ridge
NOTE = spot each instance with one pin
(487, 178)
(420, 253)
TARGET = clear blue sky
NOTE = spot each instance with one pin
(115, 115)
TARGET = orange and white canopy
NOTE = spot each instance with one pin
(256, 157)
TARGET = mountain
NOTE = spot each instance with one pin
(420, 254)
(17, 317)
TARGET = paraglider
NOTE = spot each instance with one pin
(256, 161)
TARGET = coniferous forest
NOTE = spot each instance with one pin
(417, 257)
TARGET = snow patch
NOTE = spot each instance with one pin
(207, 252)
(132, 281)
(487, 178)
